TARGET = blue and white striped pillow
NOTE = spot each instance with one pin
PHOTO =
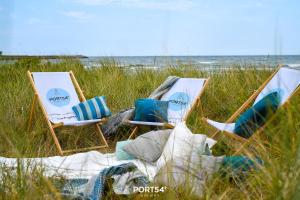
(94, 108)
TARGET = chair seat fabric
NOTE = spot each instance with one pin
(81, 123)
(182, 96)
(228, 127)
(146, 123)
(286, 81)
(58, 95)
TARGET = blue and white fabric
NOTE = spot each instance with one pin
(93, 188)
(182, 96)
(286, 81)
(94, 108)
(58, 96)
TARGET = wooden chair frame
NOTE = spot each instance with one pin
(53, 126)
(170, 126)
(245, 142)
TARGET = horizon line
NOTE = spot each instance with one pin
(183, 55)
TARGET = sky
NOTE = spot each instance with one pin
(150, 27)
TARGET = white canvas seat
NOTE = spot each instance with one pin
(286, 80)
(182, 97)
(228, 127)
(57, 95)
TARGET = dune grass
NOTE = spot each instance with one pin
(279, 178)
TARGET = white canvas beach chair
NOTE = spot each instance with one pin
(183, 96)
(56, 94)
(285, 79)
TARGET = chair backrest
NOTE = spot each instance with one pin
(58, 95)
(285, 81)
(182, 96)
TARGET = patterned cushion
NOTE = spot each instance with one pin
(94, 108)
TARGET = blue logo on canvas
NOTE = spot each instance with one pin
(179, 101)
(58, 97)
(279, 91)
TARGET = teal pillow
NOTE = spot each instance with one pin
(94, 108)
(256, 116)
(120, 153)
(238, 165)
(151, 110)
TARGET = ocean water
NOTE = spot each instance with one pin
(207, 62)
(196, 61)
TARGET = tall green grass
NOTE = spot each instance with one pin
(227, 90)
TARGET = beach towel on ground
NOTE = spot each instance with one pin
(81, 168)
(125, 176)
(81, 165)
(116, 121)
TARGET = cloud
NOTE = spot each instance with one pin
(78, 15)
(175, 5)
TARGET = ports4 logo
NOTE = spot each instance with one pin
(150, 189)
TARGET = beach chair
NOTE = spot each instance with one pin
(285, 79)
(55, 93)
(183, 96)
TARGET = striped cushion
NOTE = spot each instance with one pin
(94, 108)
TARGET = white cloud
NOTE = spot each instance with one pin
(178, 5)
(78, 15)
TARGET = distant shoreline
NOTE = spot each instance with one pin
(16, 57)
(161, 61)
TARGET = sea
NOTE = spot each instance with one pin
(207, 62)
(195, 61)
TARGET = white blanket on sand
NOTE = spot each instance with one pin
(89, 164)
(80, 165)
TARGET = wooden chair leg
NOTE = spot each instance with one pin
(60, 151)
(32, 109)
(199, 105)
(103, 140)
(133, 133)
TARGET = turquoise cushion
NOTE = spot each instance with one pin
(120, 153)
(94, 108)
(256, 116)
(237, 165)
(151, 110)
